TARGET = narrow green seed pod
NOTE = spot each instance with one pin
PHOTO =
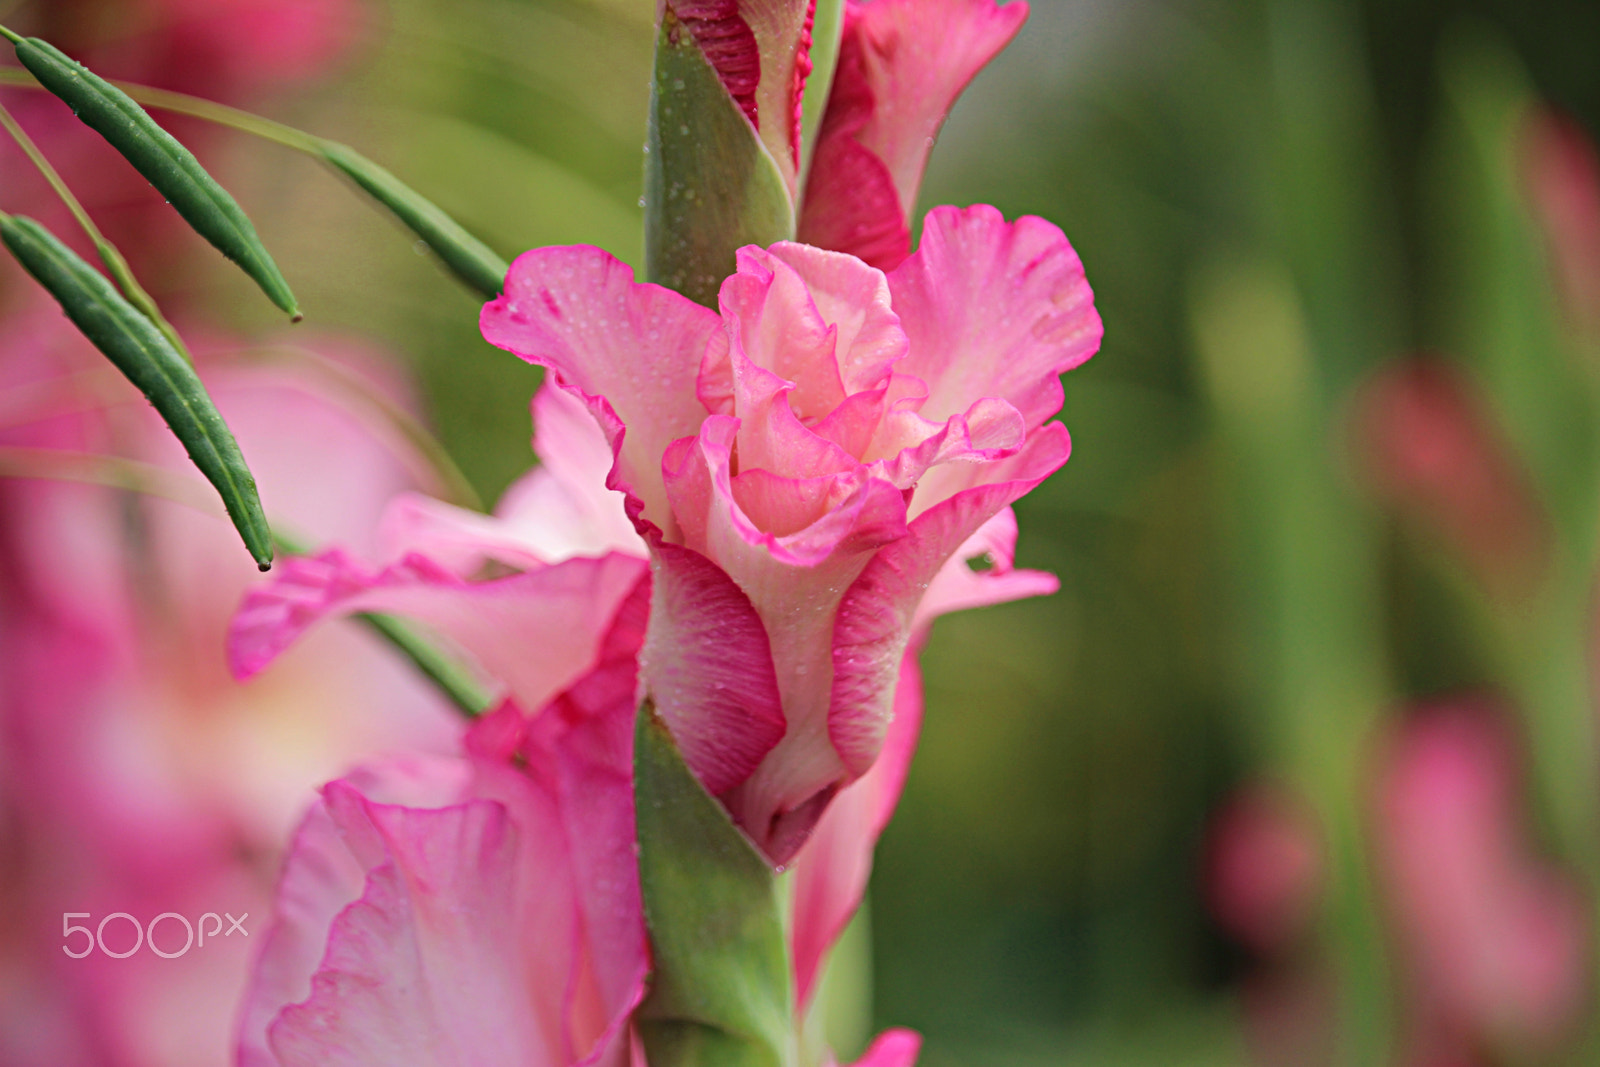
(468, 258)
(148, 360)
(156, 154)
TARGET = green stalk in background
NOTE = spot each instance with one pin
(1284, 330)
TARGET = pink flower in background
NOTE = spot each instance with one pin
(236, 51)
(135, 774)
(1562, 172)
(902, 63)
(1494, 940)
(1435, 450)
(1265, 867)
(410, 841)
(803, 465)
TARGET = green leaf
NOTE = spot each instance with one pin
(149, 361)
(721, 994)
(156, 154)
(710, 185)
(468, 258)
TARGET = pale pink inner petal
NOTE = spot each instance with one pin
(575, 454)
(854, 300)
(779, 329)
(463, 541)
(993, 309)
(989, 430)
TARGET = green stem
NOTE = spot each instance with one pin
(116, 265)
(193, 106)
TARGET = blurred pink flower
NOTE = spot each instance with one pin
(236, 51)
(474, 910)
(902, 63)
(1494, 941)
(1434, 450)
(1265, 867)
(1562, 172)
(135, 774)
(804, 464)
(562, 636)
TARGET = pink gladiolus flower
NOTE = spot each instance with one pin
(803, 465)
(902, 63)
(1495, 940)
(336, 985)
(135, 774)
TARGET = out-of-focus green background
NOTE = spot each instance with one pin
(1037, 898)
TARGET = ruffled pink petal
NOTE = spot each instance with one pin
(459, 949)
(849, 297)
(320, 879)
(630, 351)
(831, 871)
(535, 632)
(989, 430)
(767, 306)
(957, 586)
(993, 309)
(874, 622)
(707, 665)
(892, 1048)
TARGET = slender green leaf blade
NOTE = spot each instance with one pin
(710, 185)
(150, 362)
(721, 994)
(165, 163)
(468, 258)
